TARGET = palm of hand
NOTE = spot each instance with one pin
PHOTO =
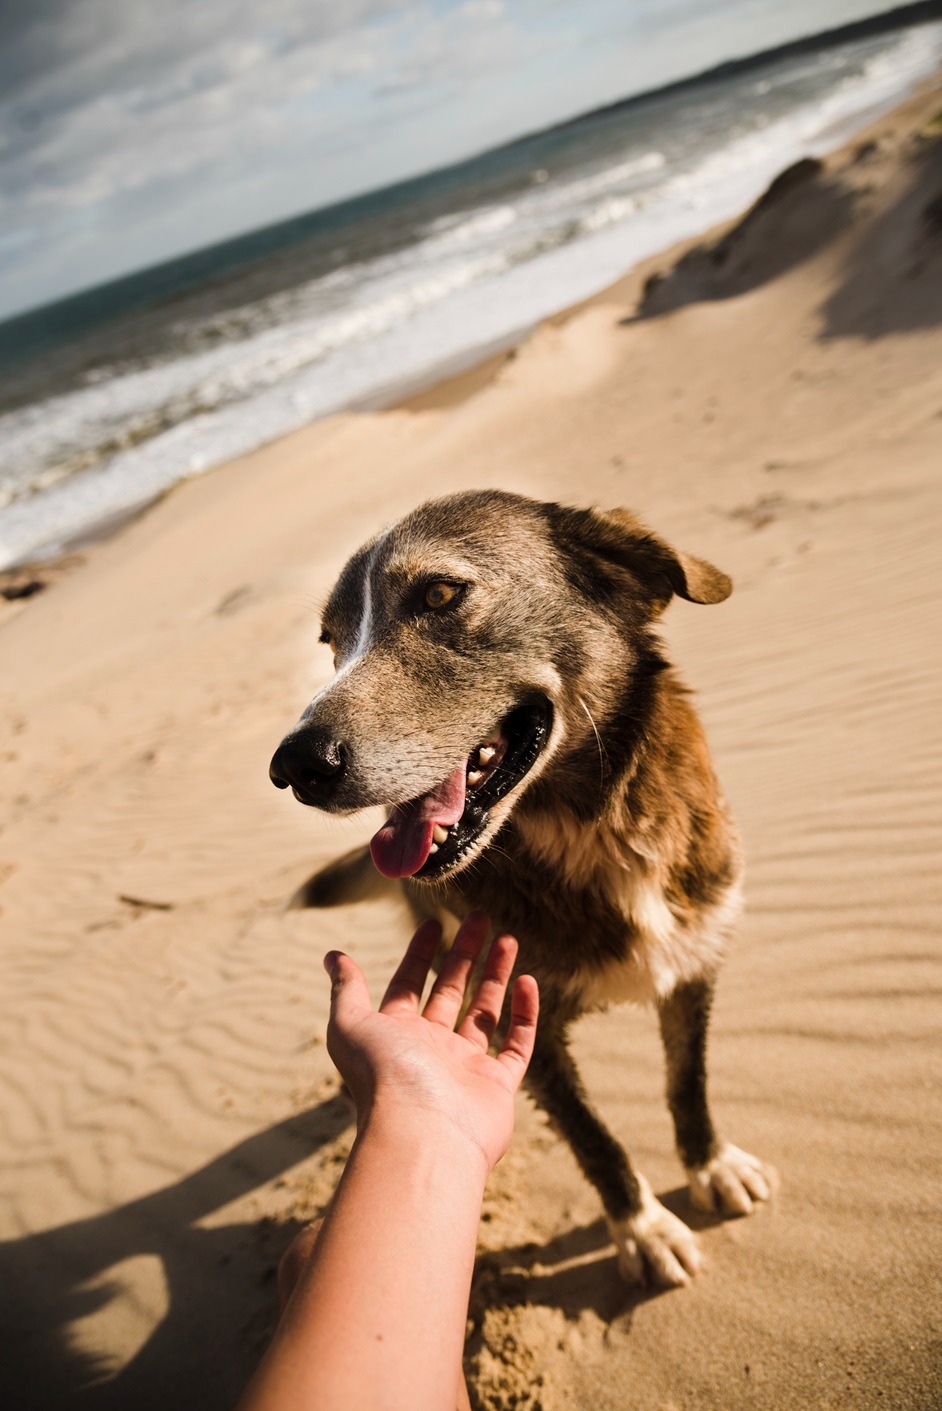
(398, 1058)
(401, 1055)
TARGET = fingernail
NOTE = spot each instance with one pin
(330, 961)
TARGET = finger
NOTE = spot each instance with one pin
(445, 1001)
(517, 1048)
(405, 988)
(349, 996)
(483, 1013)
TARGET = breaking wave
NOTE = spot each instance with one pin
(527, 234)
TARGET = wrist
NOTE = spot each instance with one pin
(425, 1136)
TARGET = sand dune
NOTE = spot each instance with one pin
(168, 1109)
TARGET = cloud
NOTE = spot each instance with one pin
(94, 83)
(114, 112)
(131, 131)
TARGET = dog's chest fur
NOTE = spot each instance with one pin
(663, 944)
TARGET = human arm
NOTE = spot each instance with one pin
(377, 1317)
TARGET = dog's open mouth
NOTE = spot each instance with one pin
(428, 836)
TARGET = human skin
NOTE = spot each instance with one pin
(377, 1316)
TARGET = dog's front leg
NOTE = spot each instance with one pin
(653, 1245)
(723, 1179)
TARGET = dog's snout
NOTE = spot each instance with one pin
(310, 762)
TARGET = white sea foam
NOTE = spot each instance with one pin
(608, 212)
(472, 277)
(449, 231)
(620, 174)
(47, 441)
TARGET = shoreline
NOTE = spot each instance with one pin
(449, 381)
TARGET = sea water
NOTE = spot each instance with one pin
(109, 398)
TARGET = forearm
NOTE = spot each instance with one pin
(378, 1317)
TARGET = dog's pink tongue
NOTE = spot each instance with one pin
(404, 842)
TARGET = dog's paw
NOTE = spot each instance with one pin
(733, 1183)
(654, 1247)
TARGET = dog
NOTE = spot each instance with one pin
(501, 689)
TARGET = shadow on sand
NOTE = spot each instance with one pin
(799, 214)
(574, 1272)
(892, 281)
(886, 208)
(220, 1283)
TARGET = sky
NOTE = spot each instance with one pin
(135, 130)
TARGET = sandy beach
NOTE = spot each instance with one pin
(769, 397)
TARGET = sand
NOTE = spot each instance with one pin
(169, 1113)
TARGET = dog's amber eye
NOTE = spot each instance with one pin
(439, 595)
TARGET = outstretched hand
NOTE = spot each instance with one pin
(413, 1059)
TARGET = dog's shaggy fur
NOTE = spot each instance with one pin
(598, 835)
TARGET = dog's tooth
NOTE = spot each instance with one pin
(440, 834)
(433, 848)
(474, 777)
(486, 753)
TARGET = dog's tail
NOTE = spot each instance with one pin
(348, 879)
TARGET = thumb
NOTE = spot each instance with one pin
(349, 996)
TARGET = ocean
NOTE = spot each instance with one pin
(110, 397)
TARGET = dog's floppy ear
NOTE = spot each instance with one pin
(618, 538)
(656, 562)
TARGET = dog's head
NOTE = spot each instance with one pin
(479, 643)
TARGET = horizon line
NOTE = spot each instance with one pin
(884, 21)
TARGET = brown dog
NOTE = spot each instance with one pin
(499, 684)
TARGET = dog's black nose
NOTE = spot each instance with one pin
(310, 762)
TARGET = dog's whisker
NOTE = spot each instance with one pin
(310, 605)
(603, 756)
(485, 856)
